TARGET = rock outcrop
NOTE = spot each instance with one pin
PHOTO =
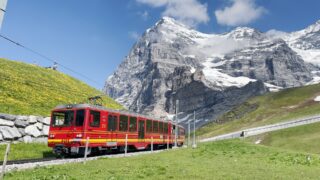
(24, 128)
(195, 94)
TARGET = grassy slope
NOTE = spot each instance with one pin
(267, 109)
(304, 138)
(30, 89)
(21, 151)
(233, 159)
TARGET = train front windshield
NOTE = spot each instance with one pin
(68, 118)
(62, 118)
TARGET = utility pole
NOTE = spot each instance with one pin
(189, 143)
(176, 129)
(3, 4)
(5, 161)
(194, 145)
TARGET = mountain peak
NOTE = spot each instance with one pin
(314, 27)
(169, 21)
(245, 32)
(166, 20)
(244, 28)
(169, 29)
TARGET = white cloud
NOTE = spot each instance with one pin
(190, 12)
(134, 35)
(240, 12)
(144, 15)
(216, 46)
(154, 3)
(275, 34)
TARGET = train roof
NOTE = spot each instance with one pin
(69, 106)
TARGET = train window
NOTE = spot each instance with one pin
(160, 127)
(173, 129)
(155, 126)
(112, 123)
(94, 119)
(165, 128)
(149, 126)
(64, 118)
(181, 131)
(123, 124)
(80, 117)
(133, 124)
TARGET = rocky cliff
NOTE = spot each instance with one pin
(208, 101)
(207, 73)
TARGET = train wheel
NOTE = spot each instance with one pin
(121, 149)
(95, 151)
(82, 151)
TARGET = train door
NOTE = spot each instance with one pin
(141, 127)
(165, 133)
(173, 133)
(79, 123)
(70, 129)
(112, 128)
(94, 126)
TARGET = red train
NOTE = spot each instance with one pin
(106, 129)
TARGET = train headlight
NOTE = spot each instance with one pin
(51, 136)
(79, 135)
(69, 106)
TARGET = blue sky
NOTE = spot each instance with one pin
(92, 37)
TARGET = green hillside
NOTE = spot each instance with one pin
(266, 109)
(30, 89)
(304, 138)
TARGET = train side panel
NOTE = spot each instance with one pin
(72, 127)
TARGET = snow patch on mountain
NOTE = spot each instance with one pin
(317, 99)
(218, 79)
(272, 87)
(310, 55)
(315, 80)
(192, 70)
(217, 46)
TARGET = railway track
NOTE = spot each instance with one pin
(264, 129)
(40, 162)
(23, 161)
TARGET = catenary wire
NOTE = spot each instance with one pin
(48, 59)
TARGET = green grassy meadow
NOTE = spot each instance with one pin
(29, 89)
(266, 109)
(231, 159)
(21, 151)
(304, 138)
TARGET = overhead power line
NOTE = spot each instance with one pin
(49, 59)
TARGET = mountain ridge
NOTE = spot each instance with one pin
(242, 56)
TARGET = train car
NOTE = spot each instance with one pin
(105, 129)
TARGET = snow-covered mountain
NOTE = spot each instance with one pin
(306, 43)
(210, 73)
